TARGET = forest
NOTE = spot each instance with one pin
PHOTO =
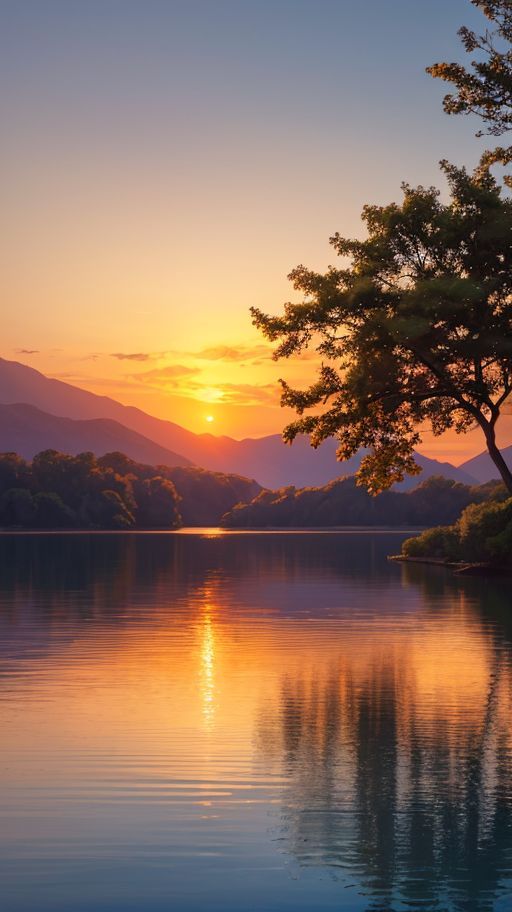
(59, 491)
(345, 503)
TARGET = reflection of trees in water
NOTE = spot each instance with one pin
(414, 804)
(488, 596)
(115, 569)
(56, 565)
(406, 795)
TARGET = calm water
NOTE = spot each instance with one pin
(250, 722)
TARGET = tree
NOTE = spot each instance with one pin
(415, 330)
(485, 88)
(16, 507)
(106, 510)
(157, 504)
(51, 512)
(14, 472)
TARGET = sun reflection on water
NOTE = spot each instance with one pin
(208, 667)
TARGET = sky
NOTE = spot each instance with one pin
(164, 166)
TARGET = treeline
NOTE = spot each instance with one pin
(482, 534)
(58, 491)
(342, 503)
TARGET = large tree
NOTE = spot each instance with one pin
(414, 329)
(485, 87)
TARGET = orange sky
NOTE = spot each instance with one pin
(165, 171)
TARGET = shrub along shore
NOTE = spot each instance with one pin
(480, 539)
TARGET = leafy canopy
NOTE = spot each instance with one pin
(485, 87)
(415, 329)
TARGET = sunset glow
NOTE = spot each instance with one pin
(159, 241)
(256, 456)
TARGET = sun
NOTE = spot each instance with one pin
(209, 419)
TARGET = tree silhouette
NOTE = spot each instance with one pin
(485, 88)
(415, 330)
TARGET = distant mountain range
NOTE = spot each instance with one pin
(482, 467)
(100, 424)
(26, 430)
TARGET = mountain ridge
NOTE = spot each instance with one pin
(267, 459)
(482, 467)
(27, 430)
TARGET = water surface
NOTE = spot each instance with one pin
(250, 722)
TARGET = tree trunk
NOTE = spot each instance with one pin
(497, 458)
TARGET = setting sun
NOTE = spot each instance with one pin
(210, 418)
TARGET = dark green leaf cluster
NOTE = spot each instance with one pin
(485, 88)
(113, 492)
(62, 492)
(482, 534)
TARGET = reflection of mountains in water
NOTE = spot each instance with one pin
(398, 758)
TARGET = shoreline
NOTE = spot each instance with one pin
(222, 530)
(460, 568)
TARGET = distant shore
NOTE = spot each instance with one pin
(221, 530)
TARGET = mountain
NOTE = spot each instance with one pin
(267, 459)
(27, 430)
(482, 467)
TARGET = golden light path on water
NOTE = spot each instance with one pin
(207, 677)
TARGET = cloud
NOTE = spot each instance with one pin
(230, 353)
(183, 381)
(132, 356)
(26, 351)
(86, 381)
(233, 353)
(161, 376)
(249, 394)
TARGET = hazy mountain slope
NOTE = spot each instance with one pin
(267, 458)
(482, 467)
(27, 430)
(20, 383)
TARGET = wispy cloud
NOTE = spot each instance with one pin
(26, 351)
(133, 356)
(164, 376)
(249, 394)
(183, 381)
(253, 354)
(87, 382)
(233, 353)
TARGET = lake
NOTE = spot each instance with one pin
(264, 722)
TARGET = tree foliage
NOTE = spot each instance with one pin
(485, 87)
(482, 533)
(342, 503)
(414, 331)
(58, 491)
(113, 492)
